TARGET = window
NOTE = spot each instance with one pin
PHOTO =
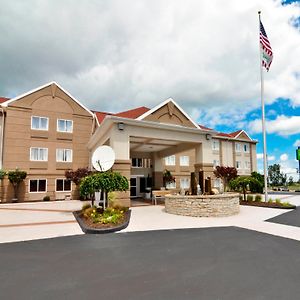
(171, 185)
(63, 185)
(216, 162)
(137, 162)
(217, 183)
(184, 160)
(247, 164)
(246, 148)
(184, 183)
(38, 154)
(216, 145)
(37, 185)
(64, 155)
(64, 125)
(237, 147)
(170, 160)
(238, 164)
(39, 123)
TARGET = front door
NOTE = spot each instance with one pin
(134, 186)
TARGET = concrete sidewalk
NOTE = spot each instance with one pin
(28, 221)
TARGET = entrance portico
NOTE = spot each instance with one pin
(132, 138)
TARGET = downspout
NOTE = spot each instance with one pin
(2, 136)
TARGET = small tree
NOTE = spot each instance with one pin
(76, 176)
(15, 178)
(257, 186)
(104, 181)
(2, 174)
(291, 180)
(226, 174)
(242, 184)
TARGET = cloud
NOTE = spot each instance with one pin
(297, 143)
(271, 157)
(284, 157)
(195, 52)
(282, 125)
(261, 156)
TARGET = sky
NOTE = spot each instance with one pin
(115, 55)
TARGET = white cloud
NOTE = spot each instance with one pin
(195, 52)
(284, 157)
(282, 125)
(271, 157)
(297, 143)
(259, 155)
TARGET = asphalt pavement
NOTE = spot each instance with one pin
(208, 263)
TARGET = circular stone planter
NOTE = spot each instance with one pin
(203, 205)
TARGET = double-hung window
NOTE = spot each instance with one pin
(39, 123)
(237, 147)
(216, 145)
(216, 162)
(170, 160)
(64, 155)
(238, 164)
(38, 154)
(246, 148)
(184, 160)
(64, 125)
(184, 183)
(63, 185)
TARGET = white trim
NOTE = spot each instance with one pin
(62, 161)
(38, 128)
(57, 129)
(243, 131)
(6, 103)
(56, 191)
(37, 148)
(38, 179)
(149, 112)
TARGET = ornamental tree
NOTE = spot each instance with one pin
(102, 181)
(243, 184)
(168, 177)
(77, 175)
(15, 178)
(226, 174)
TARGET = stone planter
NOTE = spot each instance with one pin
(203, 205)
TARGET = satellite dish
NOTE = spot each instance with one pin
(103, 158)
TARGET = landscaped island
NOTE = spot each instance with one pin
(203, 205)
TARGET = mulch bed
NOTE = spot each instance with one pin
(266, 204)
(88, 226)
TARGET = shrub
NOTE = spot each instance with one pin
(286, 203)
(240, 197)
(2, 174)
(258, 198)
(15, 178)
(249, 198)
(270, 201)
(278, 201)
(46, 198)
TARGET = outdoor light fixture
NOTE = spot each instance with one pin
(121, 126)
(208, 137)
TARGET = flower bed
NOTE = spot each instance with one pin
(282, 205)
(95, 220)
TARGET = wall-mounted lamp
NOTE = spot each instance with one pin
(121, 126)
(208, 137)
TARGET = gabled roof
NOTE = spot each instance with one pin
(6, 103)
(149, 112)
(100, 115)
(133, 113)
(3, 99)
(233, 135)
(204, 127)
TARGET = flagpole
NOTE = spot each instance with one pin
(263, 117)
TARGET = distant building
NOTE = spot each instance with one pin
(47, 131)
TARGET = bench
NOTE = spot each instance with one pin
(160, 194)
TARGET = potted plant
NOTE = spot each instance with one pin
(15, 178)
(168, 177)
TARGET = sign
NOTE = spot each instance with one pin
(298, 154)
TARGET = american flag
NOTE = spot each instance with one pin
(267, 53)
